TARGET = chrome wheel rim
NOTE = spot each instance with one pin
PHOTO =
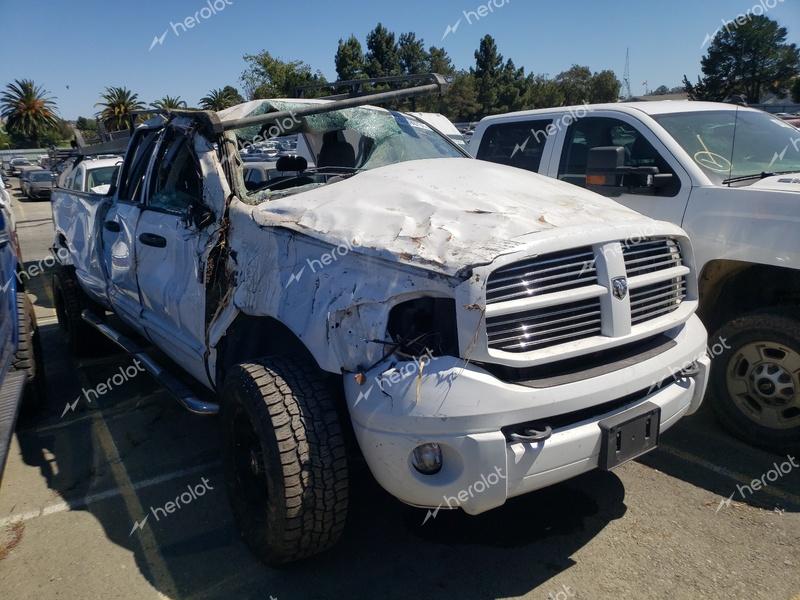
(764, 383)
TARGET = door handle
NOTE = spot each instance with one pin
(112, 226)
(151, 239)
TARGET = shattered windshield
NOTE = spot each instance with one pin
(728, 144)
(335, 145)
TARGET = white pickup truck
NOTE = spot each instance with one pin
(730, 176)
(483, 331)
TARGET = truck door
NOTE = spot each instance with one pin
(641, 149)
(119, 229)
(170, 253)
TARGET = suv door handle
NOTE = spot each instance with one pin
(112, 226)
(151, 239)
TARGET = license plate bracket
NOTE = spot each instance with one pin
(629, 435)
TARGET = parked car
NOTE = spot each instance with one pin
(21, 369)
(469, 322)
(24, 178)
(16, 164)
(443, 125)
(39, 184)
(730, 176)
(91, 175)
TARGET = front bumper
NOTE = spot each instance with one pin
(463, 408)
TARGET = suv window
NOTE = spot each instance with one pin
(520, 144)
(76, 179)
(595, 132)
(176, 180)
(135, 169)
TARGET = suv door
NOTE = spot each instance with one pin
(171, 251)
(642, 149)
(119, 229)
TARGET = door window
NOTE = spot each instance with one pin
(134, 168)
(595, 132)
(176, 183)
(520, 144)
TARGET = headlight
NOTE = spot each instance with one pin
(425, 326)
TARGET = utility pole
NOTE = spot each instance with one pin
(626, 78)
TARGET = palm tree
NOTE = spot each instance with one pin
(221, 98)
(117, 105)
(169, 103)
(27, 109)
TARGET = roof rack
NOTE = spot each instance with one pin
(437, 84)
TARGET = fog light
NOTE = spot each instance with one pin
(427, 459)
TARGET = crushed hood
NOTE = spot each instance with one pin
(443, 214)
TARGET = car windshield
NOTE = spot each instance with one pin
(728, 144)
(41, 176)
(100, 176)
(340, 144)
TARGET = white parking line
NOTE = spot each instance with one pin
(101, 496)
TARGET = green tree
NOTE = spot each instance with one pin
(28, 110)
(270, 77)
(512, 87)
(439, 61)
(5, 139)
(752, 58)
(460, 103)
(543, 92)
(116, 107)
(221, 98)
(169, 103)
(795, 89)
(350, 59)
(412, 55)
(576, 85)
(85, 124)
(382, 59)
(696, 91)
(488, 64)
(605, 87)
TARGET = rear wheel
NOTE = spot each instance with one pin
(70, 302)
(285, 461)
(755, 382)
(29, 355)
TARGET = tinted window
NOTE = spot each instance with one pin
(176, 178)
(595, 132)
(135, 166)
(518, 144)
(76, 179)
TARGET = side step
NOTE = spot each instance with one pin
(173, 385)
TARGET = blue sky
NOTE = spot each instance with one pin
(74, 49)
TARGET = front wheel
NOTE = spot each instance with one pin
(755, 382)
(29, 355)
(284, 455)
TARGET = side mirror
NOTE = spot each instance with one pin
(200, 215)
(605, 167)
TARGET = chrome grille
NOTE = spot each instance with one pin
(651, 255)
(657, 299)
(536, 329)
(556, 272)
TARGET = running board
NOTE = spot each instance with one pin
(173, 385)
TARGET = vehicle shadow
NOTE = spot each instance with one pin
(132, 450)
(697, 450)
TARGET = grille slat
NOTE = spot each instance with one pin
(561, 271)
(650, 256)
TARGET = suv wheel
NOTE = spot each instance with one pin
(284, 454)
(29, 355)
(69, 304)
(755, 383)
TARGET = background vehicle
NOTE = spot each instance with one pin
(442, 124)
(21, 370)
(464, 318)
(726, 174)
(90, 175)
(40, 184)
(16, 164)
